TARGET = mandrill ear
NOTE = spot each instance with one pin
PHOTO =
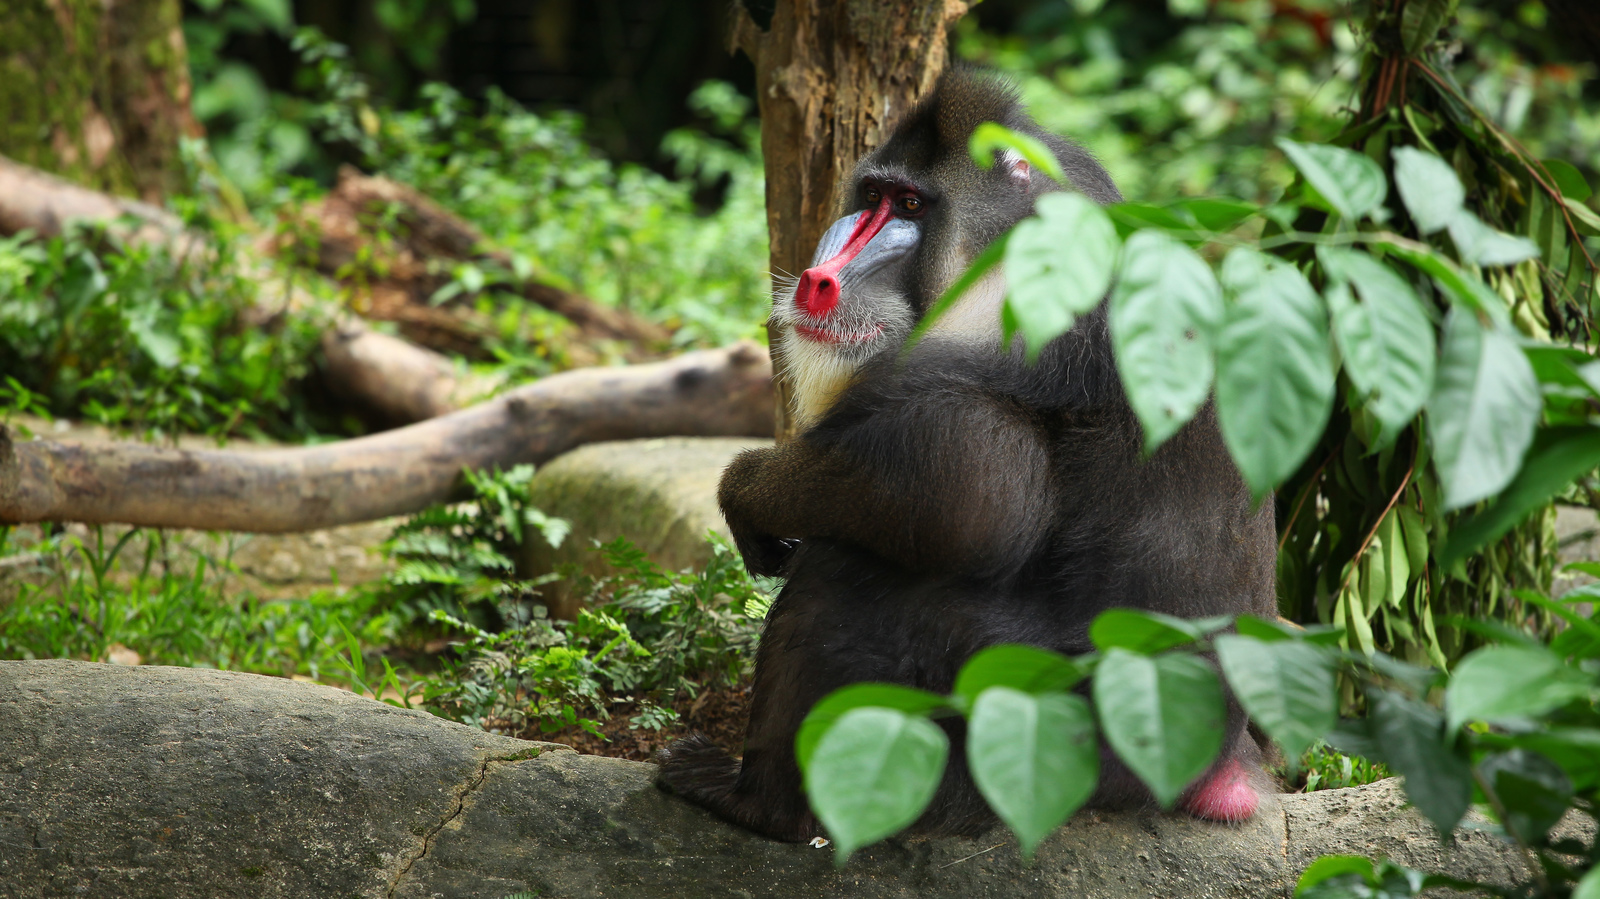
(1020, 172)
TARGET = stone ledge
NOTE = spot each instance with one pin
(172, 782)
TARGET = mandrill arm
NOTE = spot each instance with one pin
(945, 480)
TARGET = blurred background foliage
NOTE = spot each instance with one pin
(613, 143)
(611, 147)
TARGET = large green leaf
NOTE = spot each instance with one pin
(855, 696)
(1500, 684)
(1058, 266)
(1274, 368)
(1329, 867)
(1429, 188)
(1165, 313)
(1532, 789)
(1386, 338)
(1480, 244)
(1589, 886)
(1411, 741)
(1148, 632)
(1351, 183)
(1287, 686)
(1483, 410)
(1162, 715)
(1568, 179)
(1558, 457)
(873, 773)
(1019, 667)
(1035, 758)
(1459, 287)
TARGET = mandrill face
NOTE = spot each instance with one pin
(872, 278)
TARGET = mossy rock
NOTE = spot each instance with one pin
(660, 493)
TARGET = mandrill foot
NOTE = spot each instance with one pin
(1225, 795)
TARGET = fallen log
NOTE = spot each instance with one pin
(400, 381)
(724, 392)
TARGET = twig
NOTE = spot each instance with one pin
(1356, 559)
(972, 856)
(1310, 489)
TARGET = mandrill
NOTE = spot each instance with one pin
(962, 497)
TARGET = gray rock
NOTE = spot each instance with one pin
(660, 493)
(169, 782)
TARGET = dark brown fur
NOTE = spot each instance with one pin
(964, 499)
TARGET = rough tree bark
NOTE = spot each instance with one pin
(722, 392)
(832, 79)
(97, 90)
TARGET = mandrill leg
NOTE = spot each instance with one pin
(763, 791)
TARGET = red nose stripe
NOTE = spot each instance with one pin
(818, 291)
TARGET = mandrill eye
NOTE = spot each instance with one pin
(873, 196)
(910, 204)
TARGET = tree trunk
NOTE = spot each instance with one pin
(97, 91)
(832, 78)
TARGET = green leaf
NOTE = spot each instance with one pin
(1165, 312)
(1274, 368)
(1058, 266)
(1034, 758)
(1024, 668)
(855, 696)
(1483, 411)
(1148, 632)
(1568, 180)
(1558, 457)
(987, 260)
(1162, 715)
(1480, 244)
(1589, 886)
(1265, 630)
(1386, 339)
(990, 138)
(1576, 750)
(1533, 790)
(1586, 219)
(1351, 182)
(1429, 188)
(1131, 217)
(1501, 684)
(1461, 288)
(873, 773)
(1409, 736)
(1217, 214)
(1287, 687)
(162, 348)
(1330, 866)
(1421, 21)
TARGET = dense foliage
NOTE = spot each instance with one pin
(130, 335)
(1514, 728)
(644, 637)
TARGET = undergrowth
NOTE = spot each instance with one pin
(645, 637)
(132, 336)
(79, 596)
